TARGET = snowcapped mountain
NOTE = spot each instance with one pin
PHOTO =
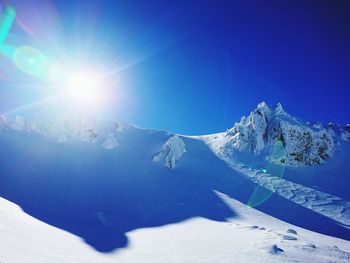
(263, 132)
(276, 135)
(271, 189)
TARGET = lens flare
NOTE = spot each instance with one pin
(48, 66)
(261, 194)
(30, 60)
(6, 21)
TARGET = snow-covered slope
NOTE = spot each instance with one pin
(253, 237)
(265, 146)
(95, 191)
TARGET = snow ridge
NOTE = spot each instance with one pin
(64, 130)
(325, 204)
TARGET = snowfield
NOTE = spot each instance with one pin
(271, 189)
(251, 238)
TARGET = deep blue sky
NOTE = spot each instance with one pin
(206, 63)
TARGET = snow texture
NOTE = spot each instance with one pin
(328, 205)
(25, 239)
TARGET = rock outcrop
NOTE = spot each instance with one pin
(171, 151)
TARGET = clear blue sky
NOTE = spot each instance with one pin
(196, 67)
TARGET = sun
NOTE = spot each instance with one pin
(84, 87)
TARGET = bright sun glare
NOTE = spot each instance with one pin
(84, 87)
(88, 87)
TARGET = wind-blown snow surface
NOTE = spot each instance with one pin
(93, 191)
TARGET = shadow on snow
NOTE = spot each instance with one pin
(101, 195)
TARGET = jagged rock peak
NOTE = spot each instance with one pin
(260, 132)
(263, 107)
(279, 110)
(267, 110)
